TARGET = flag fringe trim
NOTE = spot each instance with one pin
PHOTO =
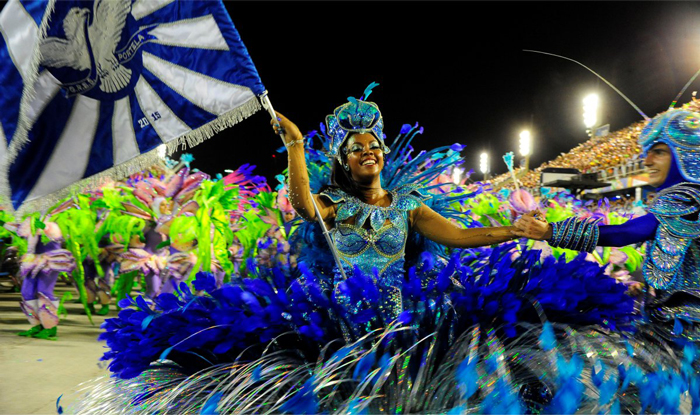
(20, 137)
(141, 162)
(206, 131)
(28, 93)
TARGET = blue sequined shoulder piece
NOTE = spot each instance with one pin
(670, 261)
(677, 209)
(403, 198)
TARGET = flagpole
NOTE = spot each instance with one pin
(268, 106)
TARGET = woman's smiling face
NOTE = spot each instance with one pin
(365, 157)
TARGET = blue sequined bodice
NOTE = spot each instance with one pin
(672, 264)
(377, 238)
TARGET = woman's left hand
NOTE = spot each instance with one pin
(533, 225)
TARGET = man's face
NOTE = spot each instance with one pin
(658, 164)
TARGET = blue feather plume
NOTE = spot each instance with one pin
(368, 90)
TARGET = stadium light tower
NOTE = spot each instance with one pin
(526, 147)
(590, 112)
(484, 165)
(457, 175)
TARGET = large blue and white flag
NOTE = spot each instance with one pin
(93, 88)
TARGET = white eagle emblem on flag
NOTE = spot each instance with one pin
(115, 82)
(101, 38)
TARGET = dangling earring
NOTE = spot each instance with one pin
(346, 167)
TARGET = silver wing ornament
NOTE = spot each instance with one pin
(105, 33)
(101, 37)
(71, 51)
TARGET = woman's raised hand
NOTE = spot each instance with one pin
(533, 225)
(287, 129)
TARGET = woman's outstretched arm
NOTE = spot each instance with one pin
(299, 189)
(435, 227)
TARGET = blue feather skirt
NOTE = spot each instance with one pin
(501, 331)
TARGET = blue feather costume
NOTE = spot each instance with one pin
(414, 328)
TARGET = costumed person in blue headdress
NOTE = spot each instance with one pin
(391, 324)
(370, 224)
(671, 144)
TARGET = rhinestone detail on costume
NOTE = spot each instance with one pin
(382, 245)
(378, 250)
(671, 263)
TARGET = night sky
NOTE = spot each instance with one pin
(458, 69)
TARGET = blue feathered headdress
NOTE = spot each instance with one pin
(355, 117)
(680, 130)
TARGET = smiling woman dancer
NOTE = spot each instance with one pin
(356, 193)
(370, 225)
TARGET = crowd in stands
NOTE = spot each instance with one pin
(598, 154)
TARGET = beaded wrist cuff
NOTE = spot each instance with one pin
(576, 234)
(291, 143)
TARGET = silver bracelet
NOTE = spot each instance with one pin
(291, 143)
